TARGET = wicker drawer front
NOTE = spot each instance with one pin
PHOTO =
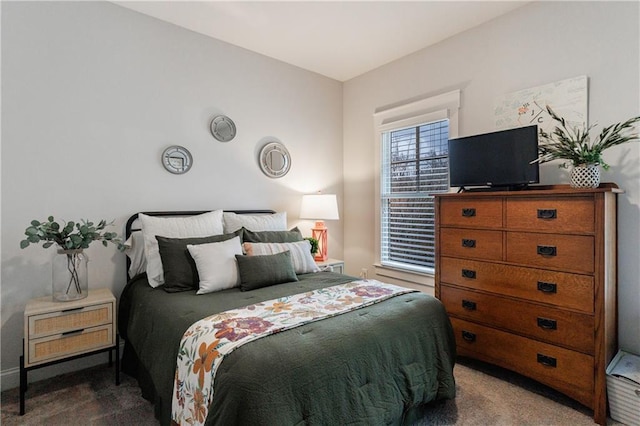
(568, 214)
(572, 373)
(565, 252)
(69, 320)
(472, 212)
(552, 325)
(64, 345)
(471, 243)
(572, 291)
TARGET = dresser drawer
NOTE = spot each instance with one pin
(571, 291)
(473, 212)
(69, 320)
(565, 370)
(560, 214)
(566, 252)
(61, 346)
(556, 326)
(471, 243)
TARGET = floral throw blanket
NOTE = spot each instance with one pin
(205, 344)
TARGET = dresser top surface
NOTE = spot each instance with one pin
(536, 190)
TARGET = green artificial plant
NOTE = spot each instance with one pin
(314, 244)
(71, 236)
(574, 145)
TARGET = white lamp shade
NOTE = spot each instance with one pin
(319, 207)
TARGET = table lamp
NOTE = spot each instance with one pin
(320, 207)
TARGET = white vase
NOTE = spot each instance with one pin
(585, 176)
(70, 276)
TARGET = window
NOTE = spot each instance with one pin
(413, 164)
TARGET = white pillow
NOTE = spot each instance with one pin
(217, 265)
(134, 249)
(255, 223)
(201, 225)
(303, 262)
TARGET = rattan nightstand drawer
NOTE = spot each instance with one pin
(69, 344)
(69, 320)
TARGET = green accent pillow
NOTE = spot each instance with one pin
(265, 270)
(271, 236)
(180, 272)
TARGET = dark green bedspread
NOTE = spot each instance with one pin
(370, 366)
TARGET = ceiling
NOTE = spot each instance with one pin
(338, 39)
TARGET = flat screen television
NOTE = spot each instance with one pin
(498, 160)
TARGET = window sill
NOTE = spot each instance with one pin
(420, 278)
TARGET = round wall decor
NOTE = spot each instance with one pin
(275, 160)
(223, 128)
(177, 159)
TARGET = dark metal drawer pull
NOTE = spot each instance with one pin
(72, 309)
(468, 243)
(468, 212)
(468, 273)
(547, 250)
(67, 333)
(469, 305)
(547, 214)
(547, 324)
(468, 336)
(547, 360)
(547, 287)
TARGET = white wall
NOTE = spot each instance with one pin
(540, 43)
(91, 95)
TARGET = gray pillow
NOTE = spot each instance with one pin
(180, 272)
(265, 270)
(271, 236)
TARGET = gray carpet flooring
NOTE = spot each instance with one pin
(486, 395)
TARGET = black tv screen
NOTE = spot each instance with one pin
(497, 159)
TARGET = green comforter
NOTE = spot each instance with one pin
(371, 366)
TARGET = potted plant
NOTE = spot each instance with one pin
(574, 145)
(70, 276)
(314, 244)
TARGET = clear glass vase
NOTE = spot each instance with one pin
(70, 275)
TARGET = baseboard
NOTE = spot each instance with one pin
(10, 378)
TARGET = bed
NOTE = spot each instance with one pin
(377, 364)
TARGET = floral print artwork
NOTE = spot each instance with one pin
(205, 344)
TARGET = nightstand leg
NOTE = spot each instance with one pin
(23, 384)
(117, 359)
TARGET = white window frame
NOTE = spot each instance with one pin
(415, 113)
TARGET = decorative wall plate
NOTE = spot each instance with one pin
(223, 128)
(177, 159)
(275, 160)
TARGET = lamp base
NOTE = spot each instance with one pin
(320, 234)
(320, 257)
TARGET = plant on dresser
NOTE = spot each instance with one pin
(574, 145)
(529, 281)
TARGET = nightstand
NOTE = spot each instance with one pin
(61, 331)
(332, 265)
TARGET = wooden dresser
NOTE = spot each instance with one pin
(529, 281)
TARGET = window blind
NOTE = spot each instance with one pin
(415, 165)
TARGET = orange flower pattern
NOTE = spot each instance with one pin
(206, 355)
(205, 344)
